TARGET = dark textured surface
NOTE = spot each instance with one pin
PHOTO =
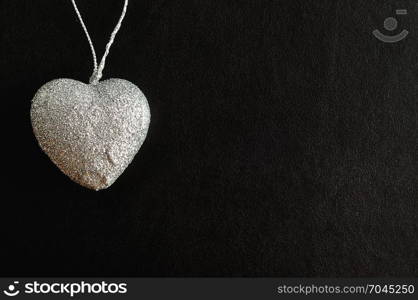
(283, 141)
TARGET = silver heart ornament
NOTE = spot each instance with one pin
(90, 131)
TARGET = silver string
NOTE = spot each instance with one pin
(98, 70)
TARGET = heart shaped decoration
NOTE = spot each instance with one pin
(90, 131)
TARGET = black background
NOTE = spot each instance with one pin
(283, 141)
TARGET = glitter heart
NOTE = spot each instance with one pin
(90, 131)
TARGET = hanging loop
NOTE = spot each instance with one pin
(98, 69)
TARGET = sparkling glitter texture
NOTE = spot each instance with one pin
(91, 132)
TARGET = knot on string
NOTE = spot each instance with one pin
(95, 77)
